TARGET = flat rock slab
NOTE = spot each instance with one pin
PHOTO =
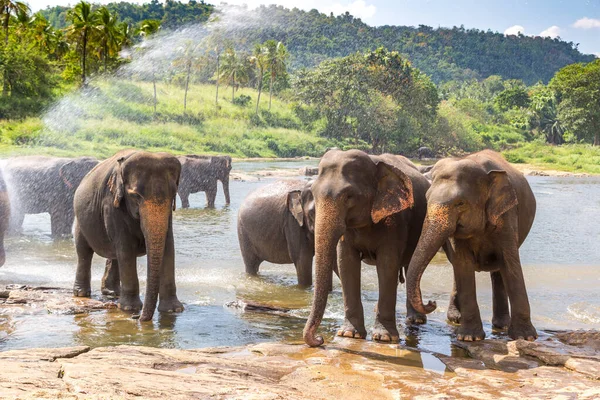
(21, 299)
(345, 368)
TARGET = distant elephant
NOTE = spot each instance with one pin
(482, 209)
(4, 217)
(276, 224)
(39, 184)
(200, 174)
(426, 152)
(308, 171)
(124, 210)
(371, 208)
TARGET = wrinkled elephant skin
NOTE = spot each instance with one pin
(200, 174)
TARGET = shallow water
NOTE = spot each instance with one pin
(561, 260)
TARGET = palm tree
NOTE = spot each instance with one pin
(8, 7)
(148, 28)
(188, 60)
(259, 60)
(44, 34)
(83, 23)
(276, 57)
(108, 32)
(234, 70)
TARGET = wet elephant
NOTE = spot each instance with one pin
(482, 209)
(425, 152)
(276, 224)
(4, 217)
(367, 208)
(39, 184)
(124, 210)
(200, 174)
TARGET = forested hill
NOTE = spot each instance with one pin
(444, 54)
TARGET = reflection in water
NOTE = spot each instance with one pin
(561, 259)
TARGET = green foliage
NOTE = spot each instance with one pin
(515, 97)
(573, 158)
(242, 100)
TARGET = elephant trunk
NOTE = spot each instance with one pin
(329, 227)
(436, 229)
(155, 218)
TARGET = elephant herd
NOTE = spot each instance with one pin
(381, 210)
(384, 211)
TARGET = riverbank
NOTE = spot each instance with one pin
(559, 364)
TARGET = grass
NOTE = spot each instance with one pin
(571, 158)
(114, 114)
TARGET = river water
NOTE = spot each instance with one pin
(561, 261)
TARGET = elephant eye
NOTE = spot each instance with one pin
(460, 203)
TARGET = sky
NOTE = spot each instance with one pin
(575, 21)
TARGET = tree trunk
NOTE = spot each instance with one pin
(270, 92)
(105, 55)
(597, 139)
(5, 77)
(187, 83)
(259, 92)
(233, 90)
(83, 55)
(217, 83)
(154, 85)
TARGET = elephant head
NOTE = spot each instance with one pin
(73, 172)
(145, 184)
(352, 190)
(222, 166)
(301, 205)
(466, 199)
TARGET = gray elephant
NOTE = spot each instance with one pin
(4, 217)
(39, 184)
(200, 174)
(371, 209)
(425, 152)
(276, 224)
(124, 210)
(480, 209)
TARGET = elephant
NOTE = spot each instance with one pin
(123, 210)
(480, 209)
(39, 184)
(200, 174)
(276, 224)
(4, 217)
(367, 208)
(426, 152)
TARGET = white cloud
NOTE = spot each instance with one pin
(515, 30)
(587, 23)
(552, 32)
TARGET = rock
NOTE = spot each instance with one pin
(309, 171)
(497, 354)
(345, 368)
(252, 306)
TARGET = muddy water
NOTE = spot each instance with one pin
(561, 260)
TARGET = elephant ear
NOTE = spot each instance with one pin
(115, 183)
(294, 203)
(502, 196)
(394, 192)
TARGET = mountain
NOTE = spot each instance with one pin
(311, 37)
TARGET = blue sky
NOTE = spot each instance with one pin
(576, 21)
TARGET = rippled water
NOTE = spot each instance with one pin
(561, 260)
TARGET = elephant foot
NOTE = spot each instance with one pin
(111, 292)
(170, 305)
(82, 290)
(130, 303)
(415, 318)
(453, 315)
(522, 330)
(501, 322)
(386, 335)
(348, 330)
(472, 333)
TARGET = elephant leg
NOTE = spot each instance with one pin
(16, 222)
(168, 301)
(501, 312)
(388, 268)
(349, 269)
(301, 255)
(111, 283)
(251, 260)
(61, 222)
(211, 195)
(185, 199)
(83, 276)
(129, 300)
(453, 313)
(471, 327)
(520, 314)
